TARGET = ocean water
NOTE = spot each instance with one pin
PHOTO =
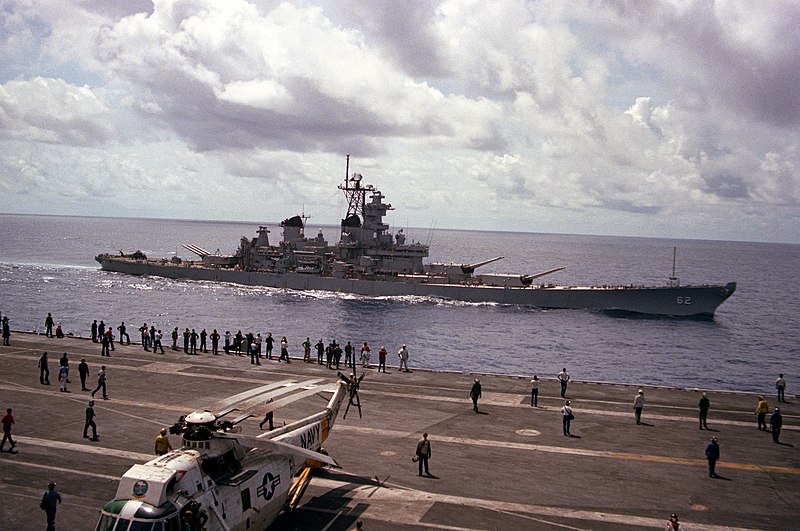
(47, 265)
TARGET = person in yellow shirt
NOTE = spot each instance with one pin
(162, 444)
(761, 411)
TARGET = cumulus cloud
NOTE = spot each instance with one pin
(610, 117)
(50, 110)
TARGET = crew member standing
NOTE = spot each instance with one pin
(712, 454)
(780, 386)
(423, 454)
(563, 377)
(704, 404)
(535, 391)
(776, 422)
(48, 325)
(83, 372)
(566, 418)
(123, 334)
(382, 359)
(162, 444)
(403, 355)
(638, 406)
(44, 371)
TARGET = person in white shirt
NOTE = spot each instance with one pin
(780, 385)
(563, 377)
(638, 406)
(403, 355)
(566, 417)
(535, 391)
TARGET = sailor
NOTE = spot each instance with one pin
(320, 351)
(269, 340)
(563, 377)
(535, 391)
(284, 350)
(123, 334)
(475, 394)
(268, 418)
(145, 337)
(382, 359)
(162, 444)
(348, 355)
(638, 406)
(365, 355)
(44, 371)
(90, 422)
(48, 325)
(403, 355)
(307, 350)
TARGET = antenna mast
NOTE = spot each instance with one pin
(355, 193)
(673, 280)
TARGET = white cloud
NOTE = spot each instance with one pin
(659, 118)
(50, 110)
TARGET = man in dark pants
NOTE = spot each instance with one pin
(475, 394)
(186, 335)
(563, 377)
(7, 421)
(203, 336)
(48, 325)
(269, 341)
(712, 454)
(50, 501)
(83, 371)
(90, 422)
(123, 334)
(104, 344)
(193, 342)
(776, 422)
(423, 454)
(94, 331)
(320, 351)
(101, 382)
(704, 404)
(215, 342)
(44, 371)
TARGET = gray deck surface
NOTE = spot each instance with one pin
(508, 468)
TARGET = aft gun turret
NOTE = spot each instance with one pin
(527, 280)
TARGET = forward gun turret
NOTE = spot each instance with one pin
(468, 269)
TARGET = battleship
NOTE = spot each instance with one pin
(370, 260)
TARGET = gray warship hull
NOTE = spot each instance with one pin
(677, 301)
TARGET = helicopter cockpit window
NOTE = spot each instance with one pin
(106, 523)
(146, 526)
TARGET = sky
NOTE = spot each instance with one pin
(674, 119)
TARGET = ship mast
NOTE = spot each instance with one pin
(355, 193)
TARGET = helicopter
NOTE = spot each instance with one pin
(223, 480)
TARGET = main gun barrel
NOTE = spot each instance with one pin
(468, 269)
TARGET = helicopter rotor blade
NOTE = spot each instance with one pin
(282, 447)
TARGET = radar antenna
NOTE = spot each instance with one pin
(354, 191)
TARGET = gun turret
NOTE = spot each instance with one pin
(468, 269)
(528, 279)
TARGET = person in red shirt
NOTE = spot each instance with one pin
(382, 359)
(7, 421)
